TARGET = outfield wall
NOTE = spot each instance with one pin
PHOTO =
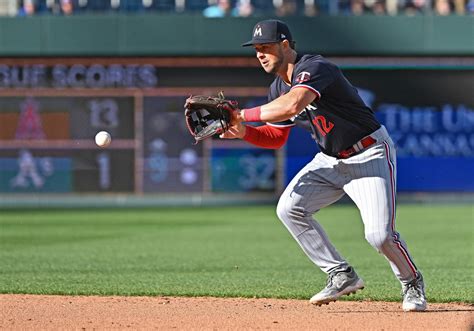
(50, 110)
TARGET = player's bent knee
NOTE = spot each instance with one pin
(379, 241)
(282, 211)
(288, 212)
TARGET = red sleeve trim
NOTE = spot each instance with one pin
(267, 136)
(312, 89)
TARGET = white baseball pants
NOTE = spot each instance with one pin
(369, 179)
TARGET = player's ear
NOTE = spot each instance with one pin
(285, 43)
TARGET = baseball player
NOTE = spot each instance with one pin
(357, 158)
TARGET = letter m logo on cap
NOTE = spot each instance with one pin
(258, 31)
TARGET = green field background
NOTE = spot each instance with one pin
(223, 252)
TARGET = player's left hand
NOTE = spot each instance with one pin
(207, 115)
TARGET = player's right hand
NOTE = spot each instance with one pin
(236, 117)
(236, 131)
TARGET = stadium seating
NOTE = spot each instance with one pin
(260, 7)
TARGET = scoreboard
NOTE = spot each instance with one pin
(47, 144)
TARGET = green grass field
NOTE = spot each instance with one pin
(231, 252)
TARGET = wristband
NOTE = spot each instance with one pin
(252, 114)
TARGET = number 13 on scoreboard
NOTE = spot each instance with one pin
(104, 113)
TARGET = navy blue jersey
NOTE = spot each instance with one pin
(337, 118)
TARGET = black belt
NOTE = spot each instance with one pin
(357, 147)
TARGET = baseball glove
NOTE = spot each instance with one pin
(207, 115)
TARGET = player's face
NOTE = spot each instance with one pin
(270, 56)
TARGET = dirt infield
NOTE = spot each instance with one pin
(20, 312)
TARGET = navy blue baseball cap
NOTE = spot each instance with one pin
(269, 31)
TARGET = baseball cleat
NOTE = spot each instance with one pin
(339, 283)
(414, 295)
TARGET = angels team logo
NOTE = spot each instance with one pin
(29, 122)
(303, 77)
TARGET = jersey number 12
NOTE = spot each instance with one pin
(323, 126)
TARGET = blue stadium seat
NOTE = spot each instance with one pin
(263, 6)
(41, 6)
(98, 5)
(300, 5)
(323, 6)
(196, 5)
(340, 7)
(131, 5)
(163, 5)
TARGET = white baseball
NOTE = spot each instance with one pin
(103, 139)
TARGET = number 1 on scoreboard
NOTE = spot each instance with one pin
(103, 159)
